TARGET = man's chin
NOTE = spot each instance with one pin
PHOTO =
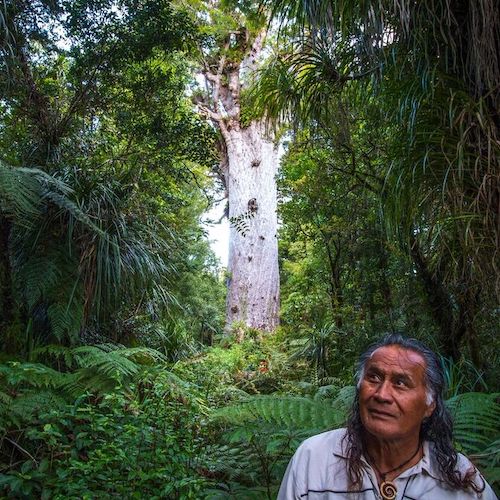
(381, 429)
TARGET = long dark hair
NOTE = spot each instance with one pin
(438, 428)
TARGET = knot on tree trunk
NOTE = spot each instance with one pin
(252, 205)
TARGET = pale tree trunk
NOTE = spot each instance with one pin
(249, 163)
(253, 293)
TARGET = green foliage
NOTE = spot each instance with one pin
(19, 192)
(476, 427)
(83, 436)
(387, 196)
(109, 223)
(476, 420)
(433, 103)
(462, 377)
(233, 369)
(242, 222)
(343, 279)
(116, 421)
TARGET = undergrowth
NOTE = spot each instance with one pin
(113, 422)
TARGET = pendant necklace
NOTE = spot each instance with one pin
(388, 489)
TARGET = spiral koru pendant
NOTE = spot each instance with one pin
(388, 490)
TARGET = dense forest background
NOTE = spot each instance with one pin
(122, 372)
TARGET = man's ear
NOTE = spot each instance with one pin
(430, 409)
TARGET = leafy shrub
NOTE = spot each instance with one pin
(141, 437)
(253, 366)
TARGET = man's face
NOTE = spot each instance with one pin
(392, 394)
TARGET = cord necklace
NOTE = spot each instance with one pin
(388, 489)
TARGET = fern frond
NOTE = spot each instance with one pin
(241, 222)
(55, 352)
(107, 362)
(101, 367)
(32, 374)
(38, 274)
(345, 398)
(33, 403)
(19, 194)
(60, 320)
(5, 399)
(139, 355)
(285, 412)
(78, 384)
(489, 461)
(476, 420)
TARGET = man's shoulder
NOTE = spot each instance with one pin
(316, 468)
(463, 467)
(325, 443)
(464, 464)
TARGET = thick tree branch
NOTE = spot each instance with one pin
(206, 111)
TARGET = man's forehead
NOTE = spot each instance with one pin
(397, 358)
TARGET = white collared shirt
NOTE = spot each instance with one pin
(318, 470)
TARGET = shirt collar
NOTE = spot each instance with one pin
(340, 446)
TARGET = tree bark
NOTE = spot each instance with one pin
(451, 331)
(336, 298)
(6, 298)
(253, 293)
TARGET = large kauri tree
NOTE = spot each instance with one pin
(249, 162)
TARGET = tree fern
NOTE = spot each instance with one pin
(65, 321)
(75, 253)
(105, 367)
(290, 411)
(476, 415)
(39, 275)
(55, 353)
(34, 375)
(32, 403)
(83, 369)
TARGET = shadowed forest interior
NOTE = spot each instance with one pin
(357, 148)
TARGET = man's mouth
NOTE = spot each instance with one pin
(380, 413)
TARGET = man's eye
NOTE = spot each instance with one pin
(401, 382)
(373, 377)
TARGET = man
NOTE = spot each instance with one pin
(398, 441)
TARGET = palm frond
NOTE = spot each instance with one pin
(304, 83)
(76, 254)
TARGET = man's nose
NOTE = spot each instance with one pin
(383, 393)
